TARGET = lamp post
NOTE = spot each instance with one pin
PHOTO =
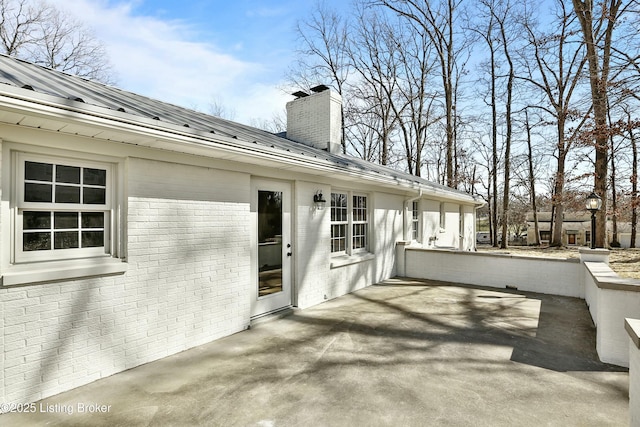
(594, 203)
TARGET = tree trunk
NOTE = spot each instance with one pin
(507, 149)
(494, 153)
(634, 185)
(598, 81)
(557, 202)
(449, 99)
(532, 184)
(615, 243)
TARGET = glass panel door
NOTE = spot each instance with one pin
(269, 242)
(271, 252)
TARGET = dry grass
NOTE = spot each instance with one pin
(625, 262)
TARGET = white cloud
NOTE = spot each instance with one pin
(164, 59)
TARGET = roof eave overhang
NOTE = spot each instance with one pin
(81, 119)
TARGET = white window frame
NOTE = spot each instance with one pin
(357, 221)
(353, 220)
(21, 256)
(342, 223)
(415, 221)
(19, 267)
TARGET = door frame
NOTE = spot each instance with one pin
(270, 303)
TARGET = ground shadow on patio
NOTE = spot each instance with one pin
(404, 352)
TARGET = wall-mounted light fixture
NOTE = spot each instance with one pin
(319, 201)
(594, 203)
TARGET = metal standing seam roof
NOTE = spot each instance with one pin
(32, 77)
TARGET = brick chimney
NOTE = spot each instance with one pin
(315, 119)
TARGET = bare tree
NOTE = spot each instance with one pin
(363, 134)
(486, 32)
(418, 111)
(502, 13)
(615, 243)
(634, 184)
(438, 21)
(323, 55)
(51, 37)
(67, 45)
(374, 57)
(554, 62)
(532, 181)
(597, 25)
(18, 25)
(277, 123)
(219, 109)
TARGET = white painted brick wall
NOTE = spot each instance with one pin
(591, 295)
(313, 251)
(15, 329)
(544, 275)
(612, 340)
(385, 230)
(187, 284)
(469, 235)
(634, 384)
(430, 222)
(609, 308)
(316, 119)
(315, 278)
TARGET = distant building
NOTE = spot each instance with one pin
(576, 229)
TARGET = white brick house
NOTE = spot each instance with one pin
(132, 229)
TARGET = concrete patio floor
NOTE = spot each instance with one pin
(401, 353)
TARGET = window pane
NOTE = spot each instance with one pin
(92, 220)
(65, 220)
(67, 194)
(359, 236)
(359, 208)
(95, 177)
(37, 192)
(66, 240)
(269, 216)
(38, 171)
(36, 220)
(338, 238)
(68, 174)
(36, 241)
(94, 196)
(338, 207)
(92, 239)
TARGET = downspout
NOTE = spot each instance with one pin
(400, 263)
(475, 225)
(407, 221)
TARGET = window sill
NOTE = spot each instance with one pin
(24, 274)
(343, 260)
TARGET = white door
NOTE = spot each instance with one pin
(272, 250)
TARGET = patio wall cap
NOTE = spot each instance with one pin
(494, 254)
(606, 278)
(633, 329)
(597, 251)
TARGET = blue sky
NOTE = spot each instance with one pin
(194, 52)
